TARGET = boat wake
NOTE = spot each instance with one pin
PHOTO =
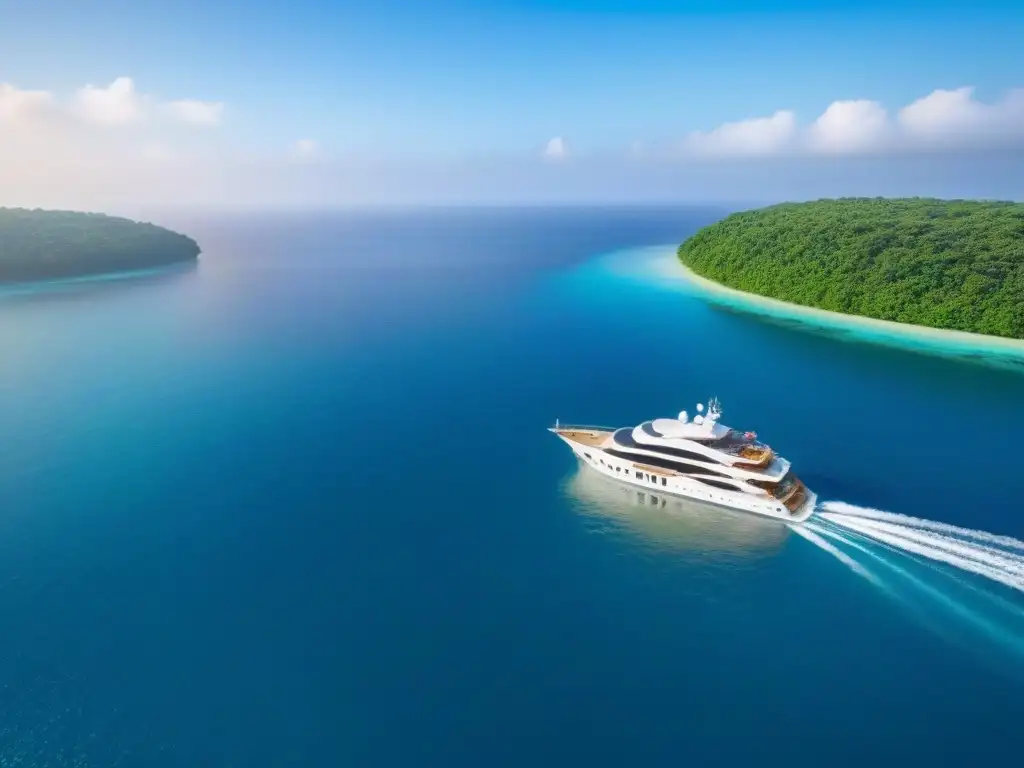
(999, 558)
(811, 534)
(910, 550)
(842, 508)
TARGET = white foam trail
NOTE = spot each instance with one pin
(842, 557)
(996, 632)
(989, 595)
(997, 559)
(930, 552)
(842, 508)
(809, 527)
(844, 538)
(837, 536)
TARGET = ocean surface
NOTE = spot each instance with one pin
(298, 506)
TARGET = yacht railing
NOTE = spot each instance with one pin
(582, 427)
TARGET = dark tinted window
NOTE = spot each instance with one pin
(624, 438)
(717, 484)
(665, 463)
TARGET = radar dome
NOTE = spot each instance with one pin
(684, 416)
(700, 407)
(698, 419)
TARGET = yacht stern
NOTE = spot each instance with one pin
(806, 509)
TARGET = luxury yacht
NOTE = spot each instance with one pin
(700, 458)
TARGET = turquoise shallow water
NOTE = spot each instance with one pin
(658, 267)
(298, 506)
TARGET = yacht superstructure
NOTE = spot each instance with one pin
(700, 458)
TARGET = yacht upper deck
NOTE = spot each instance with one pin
(740, 445)
(718, 437)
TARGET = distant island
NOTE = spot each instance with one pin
(47, 245)
(950, 264)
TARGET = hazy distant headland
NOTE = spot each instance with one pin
(950, 264)
(48, 245)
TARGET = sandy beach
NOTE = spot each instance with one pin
(667, 266)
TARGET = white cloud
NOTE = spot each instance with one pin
(100, 137)
(104, 147)
(757, 136)
(955, 117)
(19, 107)
(120, 103)
(195, 111)
(556, 149)
(850, 126)
(158, 152)
(116, 104)
(944, 119)
(305, 149)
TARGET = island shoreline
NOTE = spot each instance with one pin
(13, 288)
(668, 265)
(40, 246)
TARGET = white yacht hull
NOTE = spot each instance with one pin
(629, 472)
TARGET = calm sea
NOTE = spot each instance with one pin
(297, 506)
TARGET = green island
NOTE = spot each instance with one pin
(48, 245)
(950, 264)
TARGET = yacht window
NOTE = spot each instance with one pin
(624, 438)
(660, 461)
(587, 455)
(664, 481)
(640, 475)
(717, 484)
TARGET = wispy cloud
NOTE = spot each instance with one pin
(109, 146)
(306, 149)
(117, 104)
(196, 112)
(556, 149)
(110, 137)
(23, 107)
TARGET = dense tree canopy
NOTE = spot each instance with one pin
(941, 263)
(39, 245)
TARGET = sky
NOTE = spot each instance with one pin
(220, 103)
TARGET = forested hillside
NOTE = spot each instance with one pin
(39, 245)
(941, 263)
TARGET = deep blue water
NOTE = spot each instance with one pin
(298, 506)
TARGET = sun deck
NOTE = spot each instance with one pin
(594, 437)
(753, 453)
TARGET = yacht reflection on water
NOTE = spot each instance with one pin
(673, 522)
